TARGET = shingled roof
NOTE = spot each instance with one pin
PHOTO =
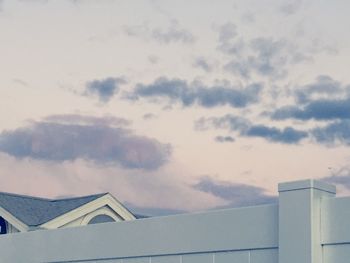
(34, 211)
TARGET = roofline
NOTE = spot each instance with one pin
(26, 196)
(52, 199)
(24, 227)
(61, 219)
(77, 197)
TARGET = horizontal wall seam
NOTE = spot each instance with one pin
(164, 255)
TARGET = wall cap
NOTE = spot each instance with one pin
(307, 184)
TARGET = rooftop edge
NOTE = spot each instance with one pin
(307, 184)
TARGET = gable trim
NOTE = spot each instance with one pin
(106, 210)
(22, 227)
(105, 200)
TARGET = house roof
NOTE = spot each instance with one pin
(34, 211)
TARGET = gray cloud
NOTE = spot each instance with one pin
(174, 33)
(318, 110)
(179, 91)
(203, 64)
(287, 135)
(291, 7)
(267, 57)
(227, 32)
(228, 42)
(149, 116)
(334, 133)
(228, 122)
(323, 86)
(104, 89)
(223, 139)
(245, 128)
(324, 99)
(248, 18)
(263, 56)
(236, 194)
(61, 139)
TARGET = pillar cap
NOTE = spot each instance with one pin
(307, 184)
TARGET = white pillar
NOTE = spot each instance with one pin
(300, 220)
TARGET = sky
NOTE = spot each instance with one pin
(173, 106)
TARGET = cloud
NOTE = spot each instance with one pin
(104, 89)
(174, 33)
(248, 18)
(227, 39)
(318, 110)
(149, 116)
(266, 57)
(223, 139)
(339, 180)
(227, 32)
(324, 87)
(291, 7)
(66, 138)
(324, 99)
(203, 64)
(236, 194)
(334, 133)
(179, 91)
(153, 192)
(107, 120)
(261, 56)
(287, 135)
(245, 128)
(228, 122)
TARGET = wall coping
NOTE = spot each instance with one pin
(306, 184)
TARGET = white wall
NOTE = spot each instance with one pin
(308, 221)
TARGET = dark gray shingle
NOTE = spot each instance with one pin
(34, 211)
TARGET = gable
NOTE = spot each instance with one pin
(29, 213)
(105, 205)
(34, 211)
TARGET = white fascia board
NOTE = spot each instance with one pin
(22, 227)
(119, 208)
(106, 200)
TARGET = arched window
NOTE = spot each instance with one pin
(3, 228)
(101, 219)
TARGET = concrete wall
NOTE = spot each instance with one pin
(308, 225)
